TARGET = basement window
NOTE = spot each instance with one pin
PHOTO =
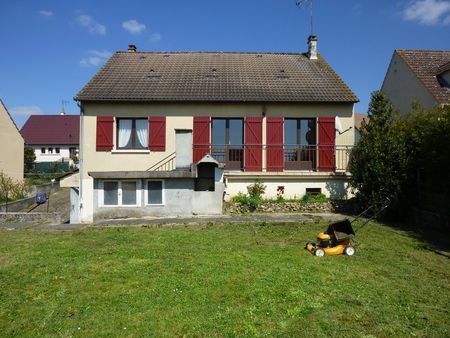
(119, 193)
(313, 191)
(155, 192)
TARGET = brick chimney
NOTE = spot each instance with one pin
(312, 47)
(132, 48)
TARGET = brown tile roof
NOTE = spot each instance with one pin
(359, 118)
(51, 129)
(427, 65)
(216, 77)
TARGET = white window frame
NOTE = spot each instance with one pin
(101, 194)
(163, 192)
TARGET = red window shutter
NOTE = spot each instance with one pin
(253, 143)
(157, 133)
(201, 132)
(105, 131)
(326, 143)
(275, 153)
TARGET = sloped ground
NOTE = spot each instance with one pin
(59, 202)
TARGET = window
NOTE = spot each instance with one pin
(155, 195)
(313, 191)
(111, 193)
(119, 193)
(42, 150)
(50, 150)
(227, 138)
(299, 144)
(73, 151)
(132, 133)
(57, 150)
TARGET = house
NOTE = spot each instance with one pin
(359, 118)
(421, 76)
(54, 138)
(167, 133)
(11, 149)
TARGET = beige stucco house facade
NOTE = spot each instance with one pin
(421, 76)
(147, 119)
(12, 146)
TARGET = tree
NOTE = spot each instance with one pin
(29, 158)
(403, 157)
(379, 164)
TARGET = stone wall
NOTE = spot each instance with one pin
(32, 217)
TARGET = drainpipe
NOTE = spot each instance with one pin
(80, 160)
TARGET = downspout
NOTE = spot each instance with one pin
(80, 160)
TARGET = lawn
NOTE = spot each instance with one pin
(219, 280)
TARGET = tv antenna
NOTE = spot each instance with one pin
(304, 3)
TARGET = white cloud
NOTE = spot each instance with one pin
(26, 110)
(428, 12)
(155, 37)
(46, 13)
(133, 27)
(95, 58)
(91, 24)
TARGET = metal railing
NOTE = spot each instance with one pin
(333, 158)
(168, 163)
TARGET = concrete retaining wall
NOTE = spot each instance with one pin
(32, 217)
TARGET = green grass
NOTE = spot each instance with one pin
(230, 280)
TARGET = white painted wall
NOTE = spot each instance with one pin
(402, 87)
(64, 153)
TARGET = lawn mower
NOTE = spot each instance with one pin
(336, 240)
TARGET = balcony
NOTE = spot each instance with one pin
(326, 158)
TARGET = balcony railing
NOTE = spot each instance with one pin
(332, 158)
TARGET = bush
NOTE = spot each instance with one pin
(310, 198)
(400, 157)
(254, 197)
(256, 190)
(11, 190)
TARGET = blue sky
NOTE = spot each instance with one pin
(50, 49)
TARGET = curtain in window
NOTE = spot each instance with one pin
(142, 133)
(124, 132)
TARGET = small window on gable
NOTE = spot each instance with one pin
(155, 191)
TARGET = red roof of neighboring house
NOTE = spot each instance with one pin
(52, 129)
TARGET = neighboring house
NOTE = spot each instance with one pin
(11, 146)
(149, 121)
(359, 118)
(421, 76)
(54, 138)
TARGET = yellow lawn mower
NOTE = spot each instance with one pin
(336, 240)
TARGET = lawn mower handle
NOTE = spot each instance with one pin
(385, 205)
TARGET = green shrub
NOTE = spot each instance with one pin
(11, 190)
(256, 190)
(310, 198)
(251, 203)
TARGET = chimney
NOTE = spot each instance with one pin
(312, 47)
(132, 48)
(62, 111)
